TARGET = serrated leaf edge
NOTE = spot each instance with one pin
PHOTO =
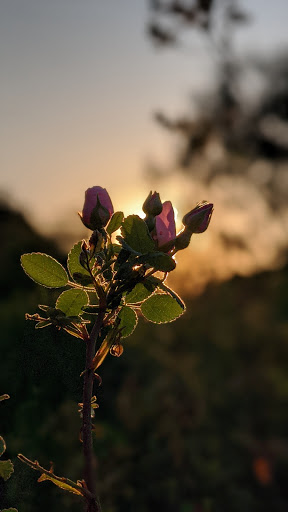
(166, 321)
(78, 290)
(49, 257)
(11, 469)
(136, 323)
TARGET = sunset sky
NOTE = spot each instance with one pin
(79, 84)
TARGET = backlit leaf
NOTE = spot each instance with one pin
(135, 233)
(44, 270)
(72, 301)
(138, 294)
(76, 271)
(6, 469)
(161, 308)
(128, 321)
(115, 222)
(158, 260)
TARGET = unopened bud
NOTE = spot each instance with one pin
(197, 221)
(97, 208)
(152, 206)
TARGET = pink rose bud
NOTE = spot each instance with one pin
(97, 208)
(197, 221)
(152, 205)
(165, 229)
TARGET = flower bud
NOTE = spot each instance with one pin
(97, 208)
(152, 205)
(197, 221)
(165, 229)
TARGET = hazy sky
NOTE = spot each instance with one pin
(79, 83)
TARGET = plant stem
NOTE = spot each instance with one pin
(89, 461)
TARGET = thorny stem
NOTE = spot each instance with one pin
(93, 504)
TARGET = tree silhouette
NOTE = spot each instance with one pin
(234, 140)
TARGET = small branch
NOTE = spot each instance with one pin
(64, 483)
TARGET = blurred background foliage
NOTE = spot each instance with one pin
(194, 416)
(231, 146)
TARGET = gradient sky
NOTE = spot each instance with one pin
(79, 83)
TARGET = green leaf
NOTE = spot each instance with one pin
(2, 446)
(83, 279)
(127, 248)
(173, 294)
(158, 260)
(76, 271)
(128, 321)
(135, 233)
(161, 308)
(9, 510)
(44, 270)
(116, 248)
(138, 294)
(6, 469)
(72, 301)
(115, 222)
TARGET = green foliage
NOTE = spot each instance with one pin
(9, 510)
(139, 293)
(44, 270)
(6, 469)
(2, 446)
(161, 308)
(158, 260)
(72, 301)
(135, 233)
(76, 271)
(171, 292)
(128, 321)
(115, 222)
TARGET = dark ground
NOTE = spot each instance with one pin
(193, 417)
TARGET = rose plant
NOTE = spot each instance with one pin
(109, 282)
